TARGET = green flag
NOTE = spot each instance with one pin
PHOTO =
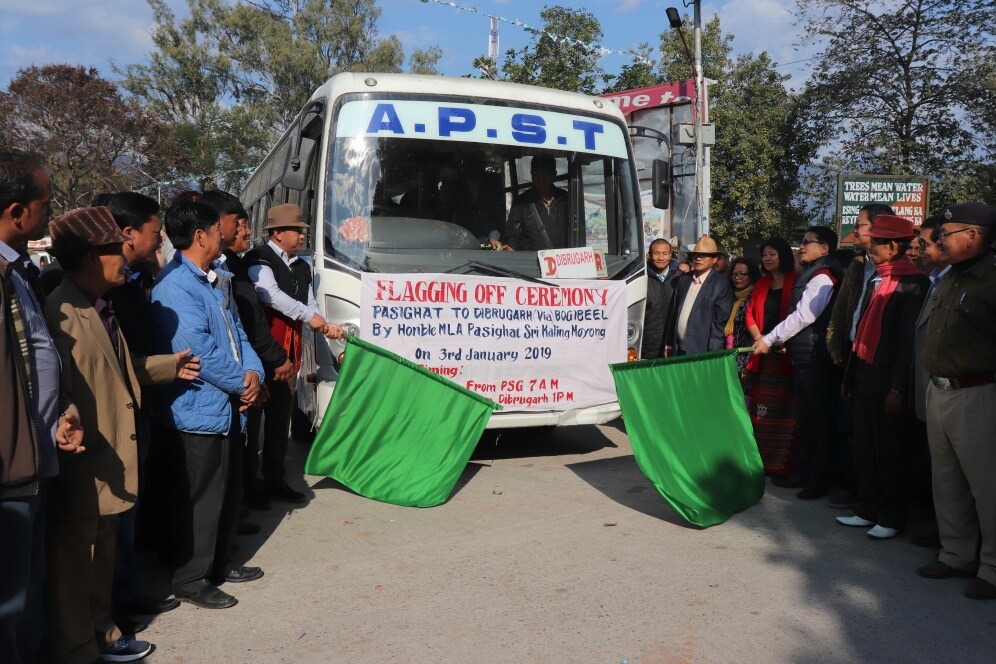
(691, 434)
(395, 431)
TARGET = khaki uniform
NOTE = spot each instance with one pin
(959, 353)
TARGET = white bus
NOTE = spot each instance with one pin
(412, 177)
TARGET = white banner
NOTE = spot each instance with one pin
(528, 346)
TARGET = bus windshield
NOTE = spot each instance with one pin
(416, 185)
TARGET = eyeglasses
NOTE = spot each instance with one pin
(921, 243)
(805, 242)
(943, 234)
(740, 275)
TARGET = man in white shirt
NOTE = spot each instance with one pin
(283, 282)
(803, 333)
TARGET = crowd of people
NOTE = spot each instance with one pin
(899, 345)
(147, 400)
(140, 391)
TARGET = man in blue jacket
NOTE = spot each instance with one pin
(193, 307)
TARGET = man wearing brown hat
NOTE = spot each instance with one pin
(960, 355)
(101, 482)
(283, 282)
(700, 306)
(877, 379)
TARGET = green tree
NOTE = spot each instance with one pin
(562, 54)
(92, 137)
(230, 75)
(754, 167)
(901, 88)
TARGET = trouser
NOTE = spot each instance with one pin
(230, 506)
(250, 459)
(80, 576)
(960, 426)
(22, 572)
(276, 430)
(816, 388)
(198, 503)
(127, 578)
(880, 456)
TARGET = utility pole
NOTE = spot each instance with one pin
(702, 200)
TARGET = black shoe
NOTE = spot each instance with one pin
(246, 528)
(789, 482)
(812, 492)
(282, 491)
(147, 606)
(257, 499)
(211, 597)
(129, 626)
(243, 574)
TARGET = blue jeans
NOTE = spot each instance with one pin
(22, 570)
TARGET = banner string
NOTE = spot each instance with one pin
(560, 39)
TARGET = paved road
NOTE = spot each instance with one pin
(557, 549)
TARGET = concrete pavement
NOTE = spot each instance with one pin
(555, 548)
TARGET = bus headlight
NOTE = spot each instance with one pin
(632, 333)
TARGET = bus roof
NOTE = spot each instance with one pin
(459, 86)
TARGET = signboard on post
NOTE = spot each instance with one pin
(908, 195)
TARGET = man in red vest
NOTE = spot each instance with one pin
(283, 282)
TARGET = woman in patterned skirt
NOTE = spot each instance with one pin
(772, 398)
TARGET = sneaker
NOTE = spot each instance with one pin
(880, 532)
(125, 650)
(854, 520)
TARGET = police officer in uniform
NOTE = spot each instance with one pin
(960, 355)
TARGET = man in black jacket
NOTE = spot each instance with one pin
(804, 333)
(661, 271)
(273, 356)
(283, 283)
(701, 304)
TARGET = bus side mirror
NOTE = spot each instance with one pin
(661, 182)
(309, 134)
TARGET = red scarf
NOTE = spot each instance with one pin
(755, 308)
(870, 327)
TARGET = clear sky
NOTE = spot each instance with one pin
(97, 32)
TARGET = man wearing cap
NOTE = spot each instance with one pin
(283, 282)
(95, 486)
(700, 305)
(662, 269)
(960, 356)
(876, 379)
(804, 333)
(31, 429)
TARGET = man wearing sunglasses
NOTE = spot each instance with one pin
(959, 353)
(804, 333)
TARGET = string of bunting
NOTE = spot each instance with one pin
(193, 178)
(560, 39)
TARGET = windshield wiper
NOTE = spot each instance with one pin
(485, 268)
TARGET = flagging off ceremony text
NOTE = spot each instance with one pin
(518, 344)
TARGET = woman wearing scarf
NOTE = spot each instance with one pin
(772, 396)
(876, 379)
(743, 276)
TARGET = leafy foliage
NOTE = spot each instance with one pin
(92, 137)
(566, 63)
(231, 75)
(902, 88)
